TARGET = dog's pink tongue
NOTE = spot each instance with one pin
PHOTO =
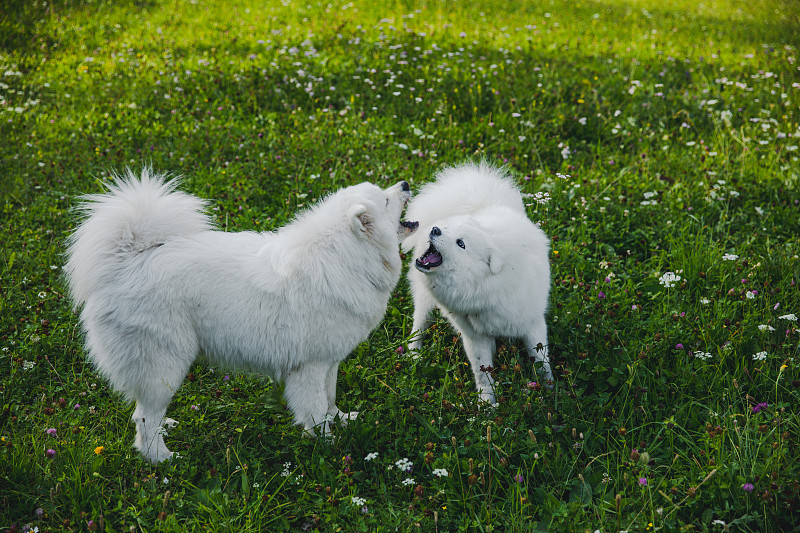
(432, 257)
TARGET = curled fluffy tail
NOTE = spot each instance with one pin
(136, 214)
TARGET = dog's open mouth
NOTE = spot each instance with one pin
(407, 228)
(430, 259)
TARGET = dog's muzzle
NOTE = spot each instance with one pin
(431, 258)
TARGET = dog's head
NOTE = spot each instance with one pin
(460, 247)
(376, 213)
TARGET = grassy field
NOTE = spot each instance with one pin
(663, 139)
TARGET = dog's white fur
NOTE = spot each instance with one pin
(158, 286)
(498, 283)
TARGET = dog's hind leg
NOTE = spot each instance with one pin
(145, 365)
(330, 392)
(150, 431)
(154, 391)
(151, 406)
(306, 394)
(536, 342)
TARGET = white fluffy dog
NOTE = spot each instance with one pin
(158, 286)
(482, 262)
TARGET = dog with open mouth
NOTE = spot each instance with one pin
(483, 263)
(157, 286)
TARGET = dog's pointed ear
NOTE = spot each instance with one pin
(495, 262)
(360, 219)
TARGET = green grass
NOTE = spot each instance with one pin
(677, 126)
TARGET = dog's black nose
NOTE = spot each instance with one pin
(404, 186)
(435, 232)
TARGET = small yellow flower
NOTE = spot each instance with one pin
(98, 450)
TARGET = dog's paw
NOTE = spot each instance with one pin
(159, 455)
(486, 398)
(414, 348)
(322, 432)
(347, 417)
(342, 417)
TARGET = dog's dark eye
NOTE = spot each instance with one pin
(387, 202)
(460, 243)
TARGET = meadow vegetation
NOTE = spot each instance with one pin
(657, 144)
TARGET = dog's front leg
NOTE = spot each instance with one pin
(330, 390)
(480, 352)
(423, 306)
(306, 394)
(536, 342)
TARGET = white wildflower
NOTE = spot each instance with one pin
(404, 464)
(668, 279)
(540, 198)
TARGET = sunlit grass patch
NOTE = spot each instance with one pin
(657, 145)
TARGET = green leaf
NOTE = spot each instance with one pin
(245, 485)
(580, 492)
